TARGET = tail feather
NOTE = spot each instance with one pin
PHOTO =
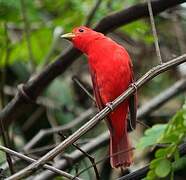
(120, 147)
(120, 151)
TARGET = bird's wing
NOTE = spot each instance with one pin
(99, 101)
(132, 103)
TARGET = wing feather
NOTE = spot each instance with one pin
(132, 103)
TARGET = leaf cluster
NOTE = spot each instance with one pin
(171, 135)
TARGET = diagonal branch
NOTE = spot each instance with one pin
(46, 132)
(154, 32)
(92, 13)
(98, 117)
(35, 87)
(91, 159)
(158, 101)
(26, 158)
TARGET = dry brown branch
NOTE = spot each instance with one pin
(154, 32)
(78, 82)
(159, 100)
(92, 160)
(99, 116)
(76, 156)
(45, 132)
(26, 158)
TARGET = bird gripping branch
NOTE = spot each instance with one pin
(111, 72)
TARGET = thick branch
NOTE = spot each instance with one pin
(36, 86)
(98, 117)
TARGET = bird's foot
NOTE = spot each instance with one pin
(110, 105)
(134, 85)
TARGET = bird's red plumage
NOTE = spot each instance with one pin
(111, 73)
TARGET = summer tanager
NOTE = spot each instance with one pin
(111, 72)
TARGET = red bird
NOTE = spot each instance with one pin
(111, 71)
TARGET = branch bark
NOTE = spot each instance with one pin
(34, 87)
(26, 158)
(98, 117)
(45, 132)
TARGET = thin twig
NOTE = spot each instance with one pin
(78, 82)
(45, 132)
(87, 155)
(158, 101)
(26, 158)
(154, 31)
(142, 124)
(105, 158)
(98, 117)
(56, 37)
(33, 118)
(53, 123)
(92, 13)
(27, 34)
(5, 135)
(96, 143)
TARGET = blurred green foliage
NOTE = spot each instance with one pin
(44, 16)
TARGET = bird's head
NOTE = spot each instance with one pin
(82, 37)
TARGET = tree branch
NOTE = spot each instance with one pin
(45, 132)
(26, 158)
(98, 117)
(92, 13)
(159, 100)
(76, 156)
(34, 87)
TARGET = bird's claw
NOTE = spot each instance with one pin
(134, 85)
(110, 105)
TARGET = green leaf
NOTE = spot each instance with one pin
(155, 163)
(151, 136)
(150, 175)
(179, 163)
(161, 153)
(163, 168)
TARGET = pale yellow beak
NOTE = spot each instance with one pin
(68, 36)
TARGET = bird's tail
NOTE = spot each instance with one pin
(120, 147)
(120, 151)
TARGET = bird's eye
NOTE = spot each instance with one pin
(81, 30)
